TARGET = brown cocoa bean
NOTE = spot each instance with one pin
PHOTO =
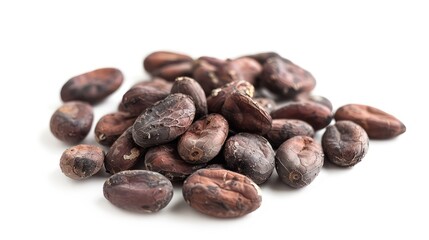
(204, 139)
(218, 96)
(138, 191)
(123, 154)
(159, 59)
(173, 71)
(221, 193)
(138, 99)
(193, 89)
(72, 122)
(317, 115)
(250, 155)
(268, 104)
(164, 121)
(158, 83)
(111, 126)
(345, 143)
(81, 161)
(285, 78)
(377, 124)
(245, 115)
(283, 129)
(166, 160)
(92, 87)
(298, 161)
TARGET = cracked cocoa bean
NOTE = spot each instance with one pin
(72, 122)
(164, 121)
(204, 139)
(166, 160)
(377, 124)
(81, 161)
(92, 87)
(192, 88)
(345, 143)
(298, 161)
(250, 155)
(317, 115)
(111, 126)
(123, 154)
(283, 129)
(221, 193)
(138, 191)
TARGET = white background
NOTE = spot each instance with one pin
(370, 52)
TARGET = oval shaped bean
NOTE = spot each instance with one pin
(164, 121)
(193, 89)
(111, 126)
(82, 161)
(138, 191)
(221, 193)
(92, 87)
(72, 122)
(298, 161)
(377, 124)
(283, 129)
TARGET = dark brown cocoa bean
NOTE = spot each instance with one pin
(210, 76)
(245, 115)
(164, 121)
(268, 104)
(159, 59)
(283, 129)
(72, 122)
(111, 126)
(138, 99)
(317, 115)
(377, 124)
(92, 87)
(193, 89)
(221, 193)
(138, 191)
(173, 71)
(250, 155)
(286, 78)
(158, 83)
(263, 57)
(298, 161)
(345, 143)
(81, 161)
(249, 68)
(166, 160)
(123, 154)
(218, 96)
(204, 139)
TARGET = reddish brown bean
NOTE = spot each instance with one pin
(72, 122)
(221, 193)
(245, 115)
(123, 154)
(285, 78)
(345, 143)
(157, 60)
(166, 160)
(173, 71)
(268, 104)
(218, 96)
(138, 99)
(92, 87)
(164, 121)
(204, 139)
(377, 124)
(158, 83)
(82, 161)
(111, 126)
(317, 115)
(138, 191)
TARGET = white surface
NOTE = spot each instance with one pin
(370, 53)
